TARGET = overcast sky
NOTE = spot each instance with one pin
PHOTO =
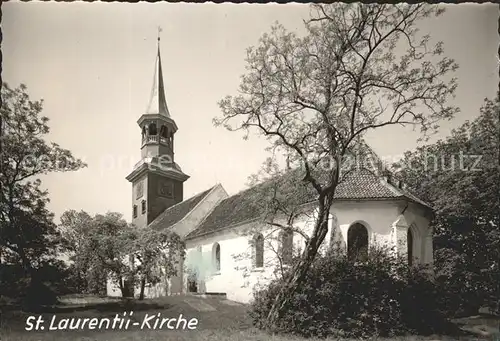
(93, 65)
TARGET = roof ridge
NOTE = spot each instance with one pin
(404, 192)
(414, 197)
(207, 215)
(178, 204)
(282, 175)
(363, 183)
(209, 191)
(392, 188)
(262, 182)
(389, 186)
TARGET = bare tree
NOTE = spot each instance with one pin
(359, 67)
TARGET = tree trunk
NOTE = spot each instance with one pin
(143, 285)
(300, 269)
(123, 287)
(26, 264)
(130, 285)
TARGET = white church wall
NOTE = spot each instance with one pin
(174, 285)
(238, 277)
(165, 287)
(419, 223)
(153, 291)
(376, 216)
(235, 276)
(112, 289)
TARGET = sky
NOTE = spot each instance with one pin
(93, 65)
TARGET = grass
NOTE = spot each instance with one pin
(219, 320)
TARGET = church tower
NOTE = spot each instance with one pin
(157, 181)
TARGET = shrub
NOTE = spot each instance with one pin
(19, 288)
(12, 280)
(378, 297)
(36, 287)
(464, 287)
(420, 309)
(75, 282)
(39, 294)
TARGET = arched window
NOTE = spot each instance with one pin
(152, 129)
(163, 131)
(216, 256)
(143, 132)
(286, 246)
(259, 250)
(357, 242)
(409, 241)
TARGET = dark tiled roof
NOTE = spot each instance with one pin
(412, 197)
(174, 214)
(251, 203)
(363, 184)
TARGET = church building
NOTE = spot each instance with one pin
(229, 247)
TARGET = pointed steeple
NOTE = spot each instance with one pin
(157, 102)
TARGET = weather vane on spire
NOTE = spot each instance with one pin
(159, 31)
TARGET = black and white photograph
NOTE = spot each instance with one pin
(249, 172)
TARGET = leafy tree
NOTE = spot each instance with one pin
(28, 236)
(158, 254)
(98, 247)
(75, 228)
(359, 67)
(286, 207)
(460, 177)
(111, 244)
(106, 245)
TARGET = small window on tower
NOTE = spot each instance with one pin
(166, 189)
(152, 129)
(163, 131)
(134, 211)
(139, 189)
(143, 206)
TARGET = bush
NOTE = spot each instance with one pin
(12, 280)
(378, 297)
(39, 294)
(464, 287)
(37, 287)
(75, 282)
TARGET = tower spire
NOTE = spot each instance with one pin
(157, 101)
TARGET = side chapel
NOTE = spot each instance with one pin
(221, 256)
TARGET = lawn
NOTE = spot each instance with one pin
(211, 319)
